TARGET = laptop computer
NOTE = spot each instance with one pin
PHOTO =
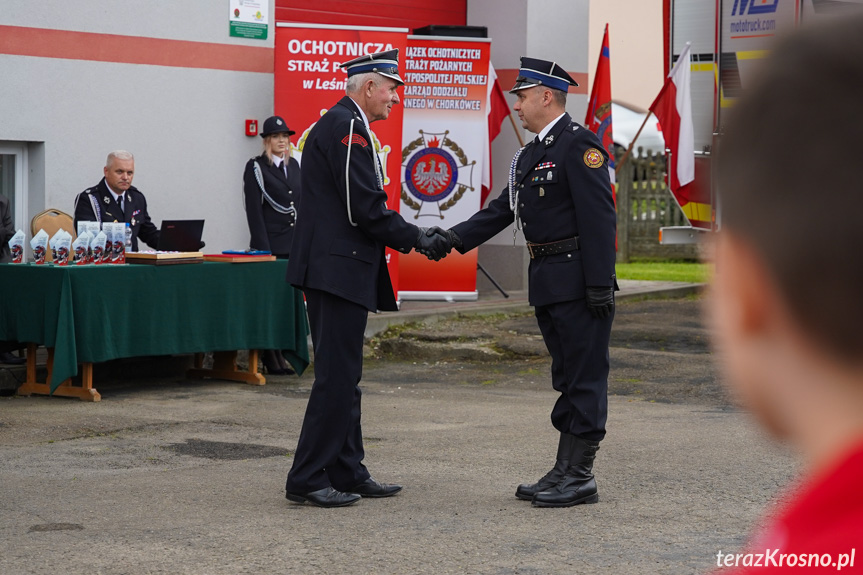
(181, 235)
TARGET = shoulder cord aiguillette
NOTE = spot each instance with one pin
(348, 174)
(259, 177)
(513, 194)
(96, 209)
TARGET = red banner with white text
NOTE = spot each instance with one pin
(443, 148)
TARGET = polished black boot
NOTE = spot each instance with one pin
(526, 491)
(577, 484)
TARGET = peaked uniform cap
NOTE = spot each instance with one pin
(384, 63)
(536, 72)
(275, 125)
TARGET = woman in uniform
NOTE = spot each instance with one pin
(271, 186)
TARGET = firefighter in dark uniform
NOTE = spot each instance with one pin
(560, 195)
(115, 199)
(271, 186)
(338, 260)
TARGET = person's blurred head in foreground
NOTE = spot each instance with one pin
(787, 300)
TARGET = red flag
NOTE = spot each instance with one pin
(598, 118)
(496, 109)
(673, 108)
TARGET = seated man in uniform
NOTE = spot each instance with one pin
(115, 199)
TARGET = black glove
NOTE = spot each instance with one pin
(432, 245)
(450, 235)
(600, 301)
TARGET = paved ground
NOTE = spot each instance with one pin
(172, 476)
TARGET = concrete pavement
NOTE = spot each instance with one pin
(495, 302)
(172, 476)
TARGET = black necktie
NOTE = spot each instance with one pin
(536, 152)
(285, 168)
(120, 202)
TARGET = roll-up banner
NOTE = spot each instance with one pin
(444, 136)
(431, 146)
(308, 82)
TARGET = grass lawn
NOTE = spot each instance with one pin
(674, 271)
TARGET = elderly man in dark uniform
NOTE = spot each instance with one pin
(559, 194)
(337, 258)
(115, 199)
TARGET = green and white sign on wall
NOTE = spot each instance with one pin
(250, 18)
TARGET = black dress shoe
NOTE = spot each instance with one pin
(372, 488)
(11, 359)
(326, 497)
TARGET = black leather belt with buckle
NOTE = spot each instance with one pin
(551, 248)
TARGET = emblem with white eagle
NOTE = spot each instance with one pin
(436, 171)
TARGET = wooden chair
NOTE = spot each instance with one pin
(52, 220)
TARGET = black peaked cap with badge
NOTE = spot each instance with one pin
(384, 63)
(276, 125)
(536, 72)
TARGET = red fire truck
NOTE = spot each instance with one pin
(729, 39)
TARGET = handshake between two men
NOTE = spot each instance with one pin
(435, 242)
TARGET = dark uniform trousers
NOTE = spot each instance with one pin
(340, 264)
(564, 192)
(577, 342)
(330, 448)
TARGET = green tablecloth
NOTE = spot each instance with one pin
(97, 313)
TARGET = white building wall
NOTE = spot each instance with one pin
(635, 43)
(184, 125)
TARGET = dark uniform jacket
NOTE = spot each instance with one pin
(7, 230)
(564, 191)
(329, 253)
(271, 230)
(106, 210)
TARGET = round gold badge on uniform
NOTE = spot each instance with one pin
(593, 158)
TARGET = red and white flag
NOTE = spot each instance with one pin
(673, 108)
(598, 118)
(497, 109)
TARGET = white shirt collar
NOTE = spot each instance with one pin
(548, 127)
(113, 193)
(277, 161)
(362, 114)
